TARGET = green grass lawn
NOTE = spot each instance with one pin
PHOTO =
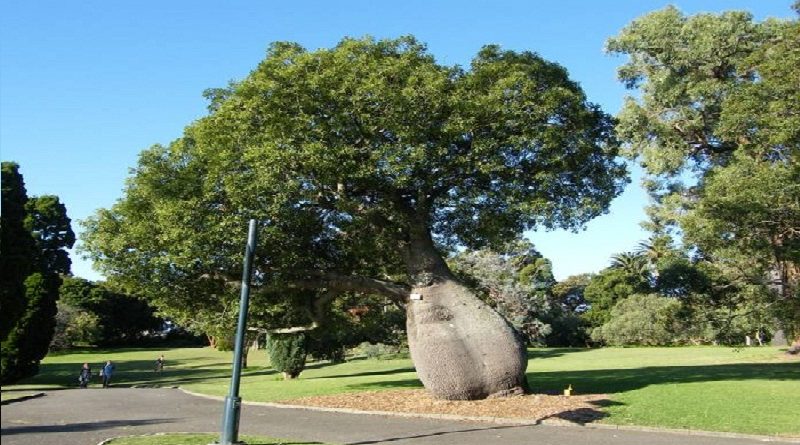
(747, 390)
(752, 390)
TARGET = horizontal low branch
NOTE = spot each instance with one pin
(337, 284)
(352, 283)
(294, 329)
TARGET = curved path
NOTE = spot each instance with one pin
(86, 417)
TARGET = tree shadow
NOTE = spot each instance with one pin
(389, 384)
(367, 373)
(434, 434)
(319, 364)
(56, 376)
(583, 416)
(580, 416)
(115, 351)
(263, 371)
(553, 352)
(607, 381)
(81, 426)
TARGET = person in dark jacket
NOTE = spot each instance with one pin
(84, 376)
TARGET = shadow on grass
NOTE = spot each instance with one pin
(54, 376)
(389, 384)
(367, 373)
(606, 381)
(553, 352)
(112, 351)
(319, 364)
(609, 381)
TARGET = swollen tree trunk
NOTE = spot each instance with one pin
(461, 347)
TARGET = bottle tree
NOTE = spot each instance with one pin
(366, 163)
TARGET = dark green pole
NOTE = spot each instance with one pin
(230, 416)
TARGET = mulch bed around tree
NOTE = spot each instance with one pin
(533, 407)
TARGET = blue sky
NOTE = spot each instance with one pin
(85, 86)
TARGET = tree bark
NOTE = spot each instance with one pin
(461, 347)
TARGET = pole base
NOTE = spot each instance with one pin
(230, 421)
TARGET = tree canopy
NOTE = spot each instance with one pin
(36, 234)
(362, 163)
(17, 248)
(346, 154)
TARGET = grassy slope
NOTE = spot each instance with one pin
(752, 390)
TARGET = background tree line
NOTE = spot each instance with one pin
(35, 235)
(715, 127)
(42, 307)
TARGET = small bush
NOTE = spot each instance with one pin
(646, 320)
(224, 342)
(74, 326)
(287, 353)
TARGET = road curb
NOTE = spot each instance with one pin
(510, 421)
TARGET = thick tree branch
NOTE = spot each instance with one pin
(352, 283)
(334, 284)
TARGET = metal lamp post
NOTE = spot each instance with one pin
(230, 416)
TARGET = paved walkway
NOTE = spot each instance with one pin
(86, 417)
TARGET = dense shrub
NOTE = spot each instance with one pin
(606, 289)
(287, 353)
(646, 320)
(29, 340)
(74, 326)
(568, 329)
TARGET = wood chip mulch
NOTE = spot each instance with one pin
(534, 407)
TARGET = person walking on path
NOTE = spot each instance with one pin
(84, 376)
(106, 373)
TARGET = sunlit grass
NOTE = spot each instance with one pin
(746, 390)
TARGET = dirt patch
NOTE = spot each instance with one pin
(534, 407)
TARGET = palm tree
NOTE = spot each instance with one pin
(633, 264)
(655, 248)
